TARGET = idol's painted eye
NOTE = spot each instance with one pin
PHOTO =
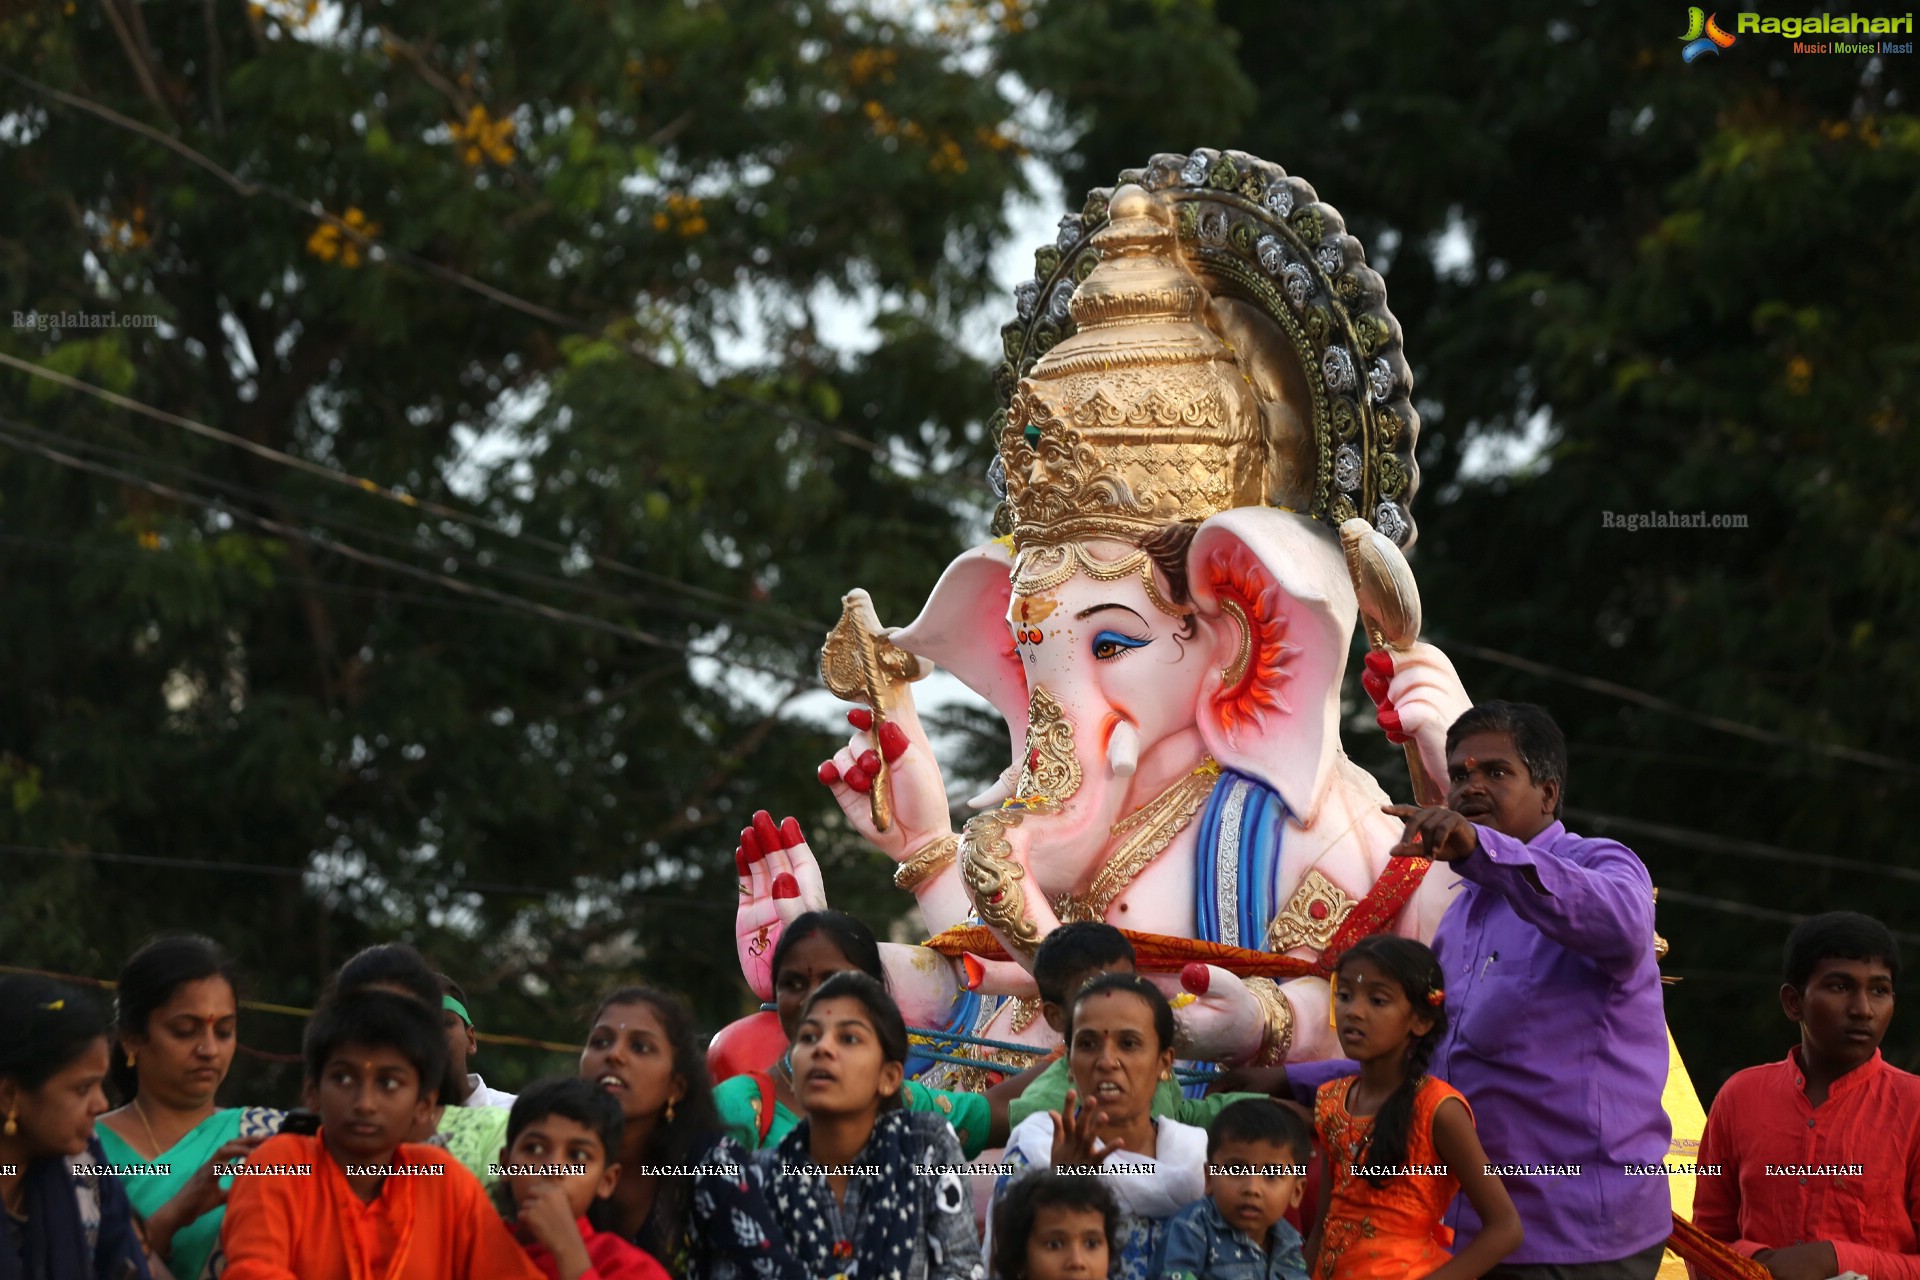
(1111, 644)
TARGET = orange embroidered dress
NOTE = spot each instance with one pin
(1383, 1233)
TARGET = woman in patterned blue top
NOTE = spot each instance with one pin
(863, 1189)
(711, 1223)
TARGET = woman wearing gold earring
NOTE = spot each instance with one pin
(58, 1220)
(684, 1194)
(176, 1015)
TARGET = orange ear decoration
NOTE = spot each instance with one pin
(1251, 682)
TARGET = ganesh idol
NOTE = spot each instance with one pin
(1202, 387)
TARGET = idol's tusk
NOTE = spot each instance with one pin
(999, 791)
(1123, 749)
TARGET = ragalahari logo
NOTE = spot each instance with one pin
(1704, 34)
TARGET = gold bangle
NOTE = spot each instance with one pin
(1277, 1037)
(933, 858)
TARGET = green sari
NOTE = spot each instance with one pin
(741, 1099)
(152, 1183)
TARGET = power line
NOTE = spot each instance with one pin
(1610, 688)
(225, 867)
(1655, 703)
(519, 603)
(459, 555)
(1731, 907)
(249, 189)
(333, 544)
(364, 485)
(67, 546)
(1602, 823)
(263, 1006)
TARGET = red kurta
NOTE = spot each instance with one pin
(433, 1222)
(612, 1258)
(1847, 1171)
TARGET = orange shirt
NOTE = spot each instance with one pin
(433, 1222)
(1383, 1233)
(1847, 1171)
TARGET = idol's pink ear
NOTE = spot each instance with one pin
(1274, 587)
(963, 628)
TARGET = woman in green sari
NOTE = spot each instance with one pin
(176, 1016)
(760, 1108)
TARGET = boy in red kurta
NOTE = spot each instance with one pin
(1817, 1159)
(561, 1138)
(354, 1202)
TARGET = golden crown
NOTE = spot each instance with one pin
(1204, 337)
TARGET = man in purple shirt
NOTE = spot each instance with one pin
(1557, 1032)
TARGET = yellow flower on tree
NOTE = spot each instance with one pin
(1799, 375)
(341, 240)
(481, 137)
(682, 212)
(127, 233)
(297, 14)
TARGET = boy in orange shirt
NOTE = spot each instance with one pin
(355, 1202)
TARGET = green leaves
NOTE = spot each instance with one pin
(327, 690)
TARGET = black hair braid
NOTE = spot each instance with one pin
(1387, 1148)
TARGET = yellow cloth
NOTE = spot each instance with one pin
(1689, 1121)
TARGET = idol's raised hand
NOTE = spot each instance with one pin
(779, 880)
(920, 813)
(1419, 696)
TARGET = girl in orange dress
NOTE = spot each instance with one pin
(1400, 1143)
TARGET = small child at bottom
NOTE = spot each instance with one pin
(563, 1137)
(1257, 1153)
(1053, 1226)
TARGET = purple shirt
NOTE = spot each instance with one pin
(1558, 1039)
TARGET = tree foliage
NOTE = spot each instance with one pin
(505, 259)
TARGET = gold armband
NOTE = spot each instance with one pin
(1277, 1037)
(933, 858)
(992, 875)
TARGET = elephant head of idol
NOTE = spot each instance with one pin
(1168, 596)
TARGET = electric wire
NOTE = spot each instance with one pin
(227, 867)
(1708, 842)
(1653, 702)
(350, 552)
(264, 1006)
(364, 485)
(460, 555)
(249, 189)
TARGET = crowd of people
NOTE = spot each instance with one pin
(1498, 1111)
